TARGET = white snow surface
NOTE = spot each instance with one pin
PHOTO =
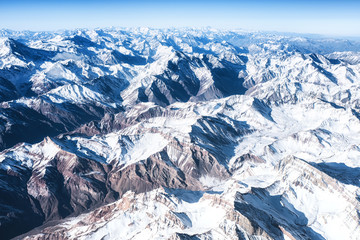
(297, 137)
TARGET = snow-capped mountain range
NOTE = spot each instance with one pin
(178, 134)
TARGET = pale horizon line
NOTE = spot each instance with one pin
(227, 29)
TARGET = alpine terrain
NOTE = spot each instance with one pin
(178, 134)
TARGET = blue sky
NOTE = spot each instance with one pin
(322, 17)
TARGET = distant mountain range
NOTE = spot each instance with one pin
(178, 134)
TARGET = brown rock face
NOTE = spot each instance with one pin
(69, 184)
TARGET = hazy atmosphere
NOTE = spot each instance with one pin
(321, 17)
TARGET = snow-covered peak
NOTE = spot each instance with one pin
(4, 47)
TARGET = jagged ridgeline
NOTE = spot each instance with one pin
(178, 134)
